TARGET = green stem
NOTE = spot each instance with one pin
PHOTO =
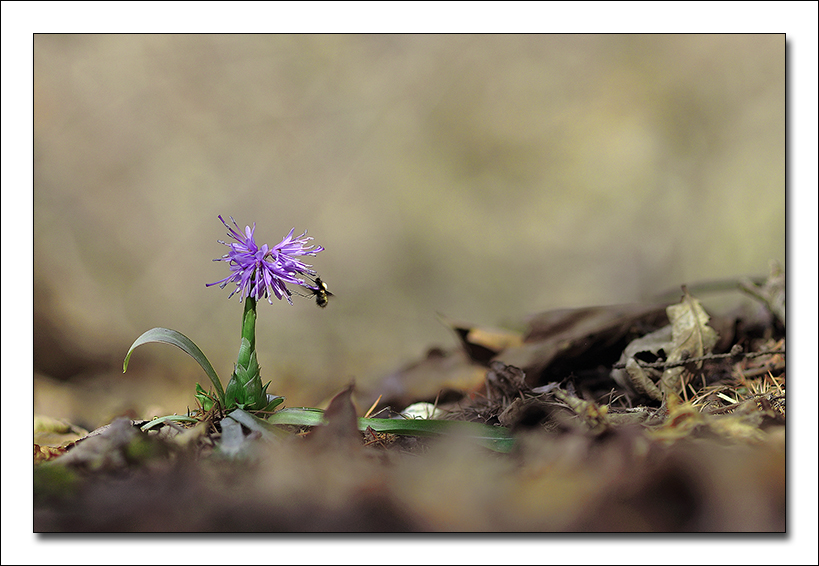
(248, 333)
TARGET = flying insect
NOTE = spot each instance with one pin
(320, 292)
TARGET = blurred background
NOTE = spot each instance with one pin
(482, 177)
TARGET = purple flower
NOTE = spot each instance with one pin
(259, 270)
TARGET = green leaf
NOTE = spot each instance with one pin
(492, 437)
(205, 398)
(253, 365)
(255, 398)
(495, 438)
(275, 402)
(174, 338)
(248, 330)
(298, 417)
(245, 349)
(235, 393)
(241, 375)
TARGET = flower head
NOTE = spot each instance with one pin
(260, 271)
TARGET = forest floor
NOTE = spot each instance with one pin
(631, 418)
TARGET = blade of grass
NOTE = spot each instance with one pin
(493, 437)
(174, 338)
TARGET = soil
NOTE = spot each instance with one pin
(696, 449)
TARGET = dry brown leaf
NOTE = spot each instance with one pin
(570, 333)
(341, 430)
(482, 343)
(424, 380)
(690, 337)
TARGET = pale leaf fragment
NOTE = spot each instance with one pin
(633, 376)
(691, 337)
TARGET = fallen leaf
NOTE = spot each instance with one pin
(482, 343)
(569, 334)
(104, 448)
(341, 430)
(690, 337)
(440, 371)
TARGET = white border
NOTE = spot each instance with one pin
(21, 19)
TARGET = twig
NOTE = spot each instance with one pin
(660, 365)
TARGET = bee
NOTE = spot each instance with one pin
(320, 293)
